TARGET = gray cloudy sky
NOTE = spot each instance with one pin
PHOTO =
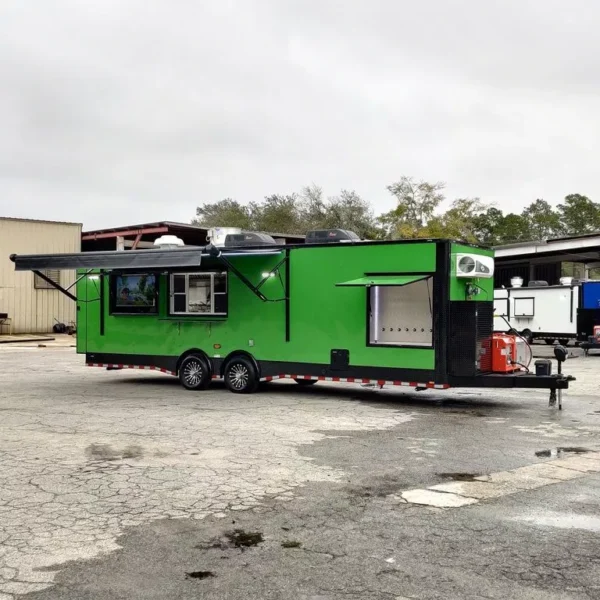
(118, 112)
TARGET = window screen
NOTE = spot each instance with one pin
(41, 284)
(198, 294)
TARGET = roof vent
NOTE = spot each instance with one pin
(247, 239)
(330, 236)
(168, 241)
(516, 282)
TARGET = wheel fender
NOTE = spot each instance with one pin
(243, 353)
(199, 353)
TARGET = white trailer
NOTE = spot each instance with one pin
(544, 313)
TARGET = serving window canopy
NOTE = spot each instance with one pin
(382, 280)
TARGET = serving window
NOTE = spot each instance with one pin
(134, 293)
(401, 315)
(198, 294)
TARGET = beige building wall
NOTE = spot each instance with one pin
(34, 310)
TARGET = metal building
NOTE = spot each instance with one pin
(28, 303)
(138, 237)
(548, 260)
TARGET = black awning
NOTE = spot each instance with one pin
(112, 259)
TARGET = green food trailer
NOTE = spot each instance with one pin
(402, 313)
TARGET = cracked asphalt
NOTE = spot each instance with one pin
(124, 485)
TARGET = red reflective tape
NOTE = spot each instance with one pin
(380, 382)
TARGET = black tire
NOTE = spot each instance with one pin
(305, 382)
(549, 342)
(241, 376)
(564, 342)
(194, 372)
(526, 333)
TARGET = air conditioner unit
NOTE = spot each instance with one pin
(474, 265)
(249, 238)
(330, 236)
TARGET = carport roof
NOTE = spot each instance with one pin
(584, 248)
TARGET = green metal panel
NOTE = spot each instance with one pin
(322, 316)
(81, 312)
(458, 286)
(325, 316)
(382, 280)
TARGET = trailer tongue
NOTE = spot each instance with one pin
(414, 313)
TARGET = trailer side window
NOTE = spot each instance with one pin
(198, 294)
(401, 315)
(134, 293)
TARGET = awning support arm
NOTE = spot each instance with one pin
(55, 285)
(79, 279)
(216, 253)
(264, 279)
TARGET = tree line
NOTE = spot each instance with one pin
(418, 214)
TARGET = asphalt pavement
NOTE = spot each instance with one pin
(123, 485)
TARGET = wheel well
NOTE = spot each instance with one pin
(199, 353)
(239, 353)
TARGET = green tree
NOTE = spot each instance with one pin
(579, 214)
(294, 213)
(278, 214)
(225, 213)
(542, 220)
(313, 209)
(494, 228)
(416, 205)
(350, 211)
(458, 222)
(515, 228)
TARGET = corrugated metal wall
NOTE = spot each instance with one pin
(34, 310)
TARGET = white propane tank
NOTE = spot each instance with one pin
(168, 241)
(216, 236)
(566, 280)
(516, 282)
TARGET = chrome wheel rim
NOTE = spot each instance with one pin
(193, 372)
(238, 376)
